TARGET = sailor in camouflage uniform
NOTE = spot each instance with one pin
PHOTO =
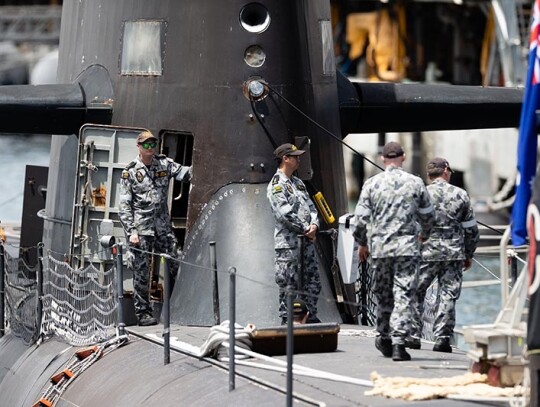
(145, 216)
(396, 205)
(445, 255)
(295, 214)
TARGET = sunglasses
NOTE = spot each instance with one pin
(147, 145)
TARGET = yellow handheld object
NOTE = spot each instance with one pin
(323, 207)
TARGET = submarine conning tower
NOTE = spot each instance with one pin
(182, 69)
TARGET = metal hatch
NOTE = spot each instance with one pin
(178, 145)
(104, 151)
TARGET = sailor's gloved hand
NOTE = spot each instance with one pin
(134, 239)
(363, 253)
(310, 234)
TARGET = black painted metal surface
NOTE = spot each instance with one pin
(236, 217)
(58, 109)
(394, 107)
(200, 91)
(28, 369)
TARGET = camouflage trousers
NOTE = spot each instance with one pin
(288, 278)
(449, 275)
(394, 287)
(138, 261)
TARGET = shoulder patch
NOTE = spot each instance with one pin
(131, 165)
(275, 179)
(300, 187)
(125, 174)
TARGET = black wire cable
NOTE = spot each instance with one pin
(336, 138)
(489, 227)
(321, 127)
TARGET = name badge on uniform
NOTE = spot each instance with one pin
(139, 175)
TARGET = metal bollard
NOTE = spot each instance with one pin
(232, 323)
(39, 288)
(120, 288)
(300, 258)
(215, 287)
(166, 313)
(2, 293)
(513, 269)
(290, 347)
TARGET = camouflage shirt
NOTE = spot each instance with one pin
(455, 233)
(396, 204)
(292, 207)
(143, 195)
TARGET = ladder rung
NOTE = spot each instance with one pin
(43, 403)
(84, 353)
(64, 374)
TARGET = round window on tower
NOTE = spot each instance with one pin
(254, 56)
(254, 17)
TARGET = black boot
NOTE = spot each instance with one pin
(147, 320)
(413, 343)
(442, 345)
(313, 319)
(384, 345)
(399, 353)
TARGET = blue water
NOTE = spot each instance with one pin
(480, 305)
(16, 152)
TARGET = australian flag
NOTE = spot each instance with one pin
(528, 135)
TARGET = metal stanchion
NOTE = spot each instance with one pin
(117, 250)
(290, 347)
(166, 313)
(300, 258)
(2, 293)
(513, 269)
(39, 281)
(232, 323)
(215, 288)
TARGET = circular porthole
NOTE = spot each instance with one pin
(254, 56)
(254, 17)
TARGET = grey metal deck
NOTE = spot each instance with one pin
(135, 374)
(355, 357)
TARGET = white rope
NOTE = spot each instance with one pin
(298, 369)
(301, 371)
(220, 334)
(219, 339)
